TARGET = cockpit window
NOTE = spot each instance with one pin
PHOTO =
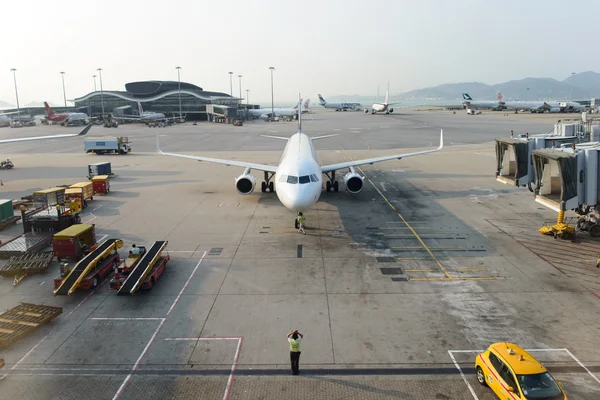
(283, 178)
(313, 178)
(292, 179)
(305, 179)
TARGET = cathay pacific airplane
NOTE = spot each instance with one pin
(298, 174)
(82, 133)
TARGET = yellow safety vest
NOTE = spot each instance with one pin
(295, 345)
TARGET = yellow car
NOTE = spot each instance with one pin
(514, 374)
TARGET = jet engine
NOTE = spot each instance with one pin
(554, 110)
(354, 182)
(391, 110)
(245, 183)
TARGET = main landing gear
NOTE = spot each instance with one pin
(331, 183)
(267, 183)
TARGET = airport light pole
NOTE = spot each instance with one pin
(272, 103)
(571, 97)
(14, 70)
(247, 97)
(179, 85)
(231, 84)
(94, 76)
(63, 82)
(101, 92)
(239, 76)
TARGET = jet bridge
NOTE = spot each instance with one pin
(514, 165)
(142, 268)
(86, 265)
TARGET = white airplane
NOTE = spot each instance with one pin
(468, 102)
(82, 133)
(344, 106)
(4, 121)
(382, 107)
(265, 113)
(299, 175)
(144, 116)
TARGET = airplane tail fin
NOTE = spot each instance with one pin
(48, 110)
(466, 96)
(387, 93)
(140, 110)
(499, 96)
(322, 100)
(306, 104)
(299, 113)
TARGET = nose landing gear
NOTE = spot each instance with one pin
(331, 183)
(268, 183)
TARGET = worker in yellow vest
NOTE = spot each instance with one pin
(294, 339)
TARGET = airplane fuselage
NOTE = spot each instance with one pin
(299, 177)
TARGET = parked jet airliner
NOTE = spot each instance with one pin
(299, 176)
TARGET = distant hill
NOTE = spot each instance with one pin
(584, 85)
(4, 104)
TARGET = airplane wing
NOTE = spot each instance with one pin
(82, 133)
(259, 167)
(348, 164)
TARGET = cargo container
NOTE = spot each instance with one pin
(6, 210)
(102, 168)
(101, 184)
(113, 144)
(81, 190)
(49, 197)
(74, 241)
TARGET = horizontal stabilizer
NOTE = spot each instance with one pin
(275, 137)
(324, 136)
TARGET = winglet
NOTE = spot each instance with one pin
(158, 150)
(85, 130)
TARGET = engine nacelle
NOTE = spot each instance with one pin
(354, 182)
(391, 110)
(554, 110)
(245, 183)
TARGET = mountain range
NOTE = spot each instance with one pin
(581, 86)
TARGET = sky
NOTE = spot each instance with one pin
(330, 47)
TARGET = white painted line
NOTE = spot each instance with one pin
(126, 319)
(128, 377)
(186, 284)
(91, 219)
(202, 338)
(466, 351)
(462, 375)
(233, 367)
(102, 238)
(42, 283)
(582, 366)
(94, 209)
(182, 251)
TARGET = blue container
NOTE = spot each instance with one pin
(102, 168)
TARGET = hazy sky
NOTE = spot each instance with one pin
(329, 46)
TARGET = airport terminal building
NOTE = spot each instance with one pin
(161, 96)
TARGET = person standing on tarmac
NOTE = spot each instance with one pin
(301, 221)
(294, 338)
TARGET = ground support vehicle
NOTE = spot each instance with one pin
(20, 266)
(51, 219)
(514, 374)
(127, 265)
(101, 184)
(91, 270)
(146, 272)
(6, 164)
(74, 242)
(106, 145)
(24, 319)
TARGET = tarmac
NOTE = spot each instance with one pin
(396, 289)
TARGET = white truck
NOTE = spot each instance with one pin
(114, 144)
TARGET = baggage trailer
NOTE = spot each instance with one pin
(146, 272)
(74, 241)
(24, 319)
(113, 144)
(49, 197)
(102, 168)
(27, 243)
(101, 184)
(88, 272)
(20, 266)
(81, 190)
(7, 214)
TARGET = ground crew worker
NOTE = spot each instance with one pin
(294, 338)
(135, 250)
(301, 221)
